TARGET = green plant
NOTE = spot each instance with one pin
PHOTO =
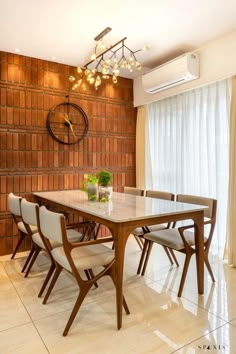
(91, 179)
(104, 178)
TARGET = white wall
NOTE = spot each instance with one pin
(217, 61)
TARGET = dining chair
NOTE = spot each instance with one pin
(182, 239)
(74, 257)
(138, 192)
(141, 231)
(29, 212)
(133, 190)
(14, 205)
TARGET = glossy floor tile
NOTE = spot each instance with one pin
(159, 321)
(222, 340)
(22, 340)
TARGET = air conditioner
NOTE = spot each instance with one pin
(175, 72)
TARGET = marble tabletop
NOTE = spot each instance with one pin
(121, 208)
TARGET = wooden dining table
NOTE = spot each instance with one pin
(122, 214)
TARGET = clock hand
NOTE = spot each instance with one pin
(72, 129)
(66, 119)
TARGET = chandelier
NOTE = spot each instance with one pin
(106, 62)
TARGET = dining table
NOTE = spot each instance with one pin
(121, 215)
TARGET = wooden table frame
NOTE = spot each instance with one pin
(121, 230)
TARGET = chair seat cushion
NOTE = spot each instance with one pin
(84, 257)
(171, 238)
(22, 228)
(72, 235)
(37, 239)
(139, 230)
(153, 228)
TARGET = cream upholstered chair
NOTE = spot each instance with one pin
(141, 231)
(30, 215)
(75, 257)
(29, 212)
(14, 205)
(182, 239)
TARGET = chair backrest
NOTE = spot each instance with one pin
(134, 191)
(29, 212)
(209, 212)
(14, 204)
(160, 195)
(51, 224)
(211, 203)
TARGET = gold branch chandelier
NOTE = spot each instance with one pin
(106, 62)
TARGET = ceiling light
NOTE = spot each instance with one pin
(17, 50)
(106, 62)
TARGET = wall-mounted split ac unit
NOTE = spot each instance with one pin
(175, 72)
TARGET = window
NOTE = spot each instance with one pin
(189, 147)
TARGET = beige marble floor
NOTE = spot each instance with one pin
(159, 322)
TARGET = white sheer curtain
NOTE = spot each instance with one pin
(143, 167)
(231, 221)
(189, 147)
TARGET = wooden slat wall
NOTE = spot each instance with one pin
(30, 160)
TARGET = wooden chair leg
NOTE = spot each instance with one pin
(168, 254)
(147, 257)
(53, 282)
(92, 276)
(82, 294)
(186, 264)
(174, 257)
(97, 231)
(139, 242)
(22, 236)
(49, 274)
(142, 256)
(28, 258)
(87, 274)
(209, 269)
(33, 259)
(125, 306)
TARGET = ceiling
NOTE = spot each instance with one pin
(66, 29)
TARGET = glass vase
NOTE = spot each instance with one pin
(92, 190)
(104, 193)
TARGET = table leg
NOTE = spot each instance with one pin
(120, 235)
(199, 242)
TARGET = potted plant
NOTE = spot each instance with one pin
(91, 186)
(104, 189)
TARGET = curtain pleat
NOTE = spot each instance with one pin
(231, 219)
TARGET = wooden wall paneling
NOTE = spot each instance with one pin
(30, 160)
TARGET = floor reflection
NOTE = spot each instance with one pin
(159, 322)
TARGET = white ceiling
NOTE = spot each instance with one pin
(66, 29)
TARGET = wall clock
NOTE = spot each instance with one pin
(67, 123)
